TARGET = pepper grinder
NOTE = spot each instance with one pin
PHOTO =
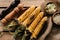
(9, 9)
(8, 17)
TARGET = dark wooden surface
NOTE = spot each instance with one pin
(55, 33)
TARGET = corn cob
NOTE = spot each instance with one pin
(38, 28)
(26, 14)
(31, 17)
(11, 14)
(35, 22)
(28, 21)
(48, 29)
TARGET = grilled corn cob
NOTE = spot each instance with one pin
(29, 20)
(31, 17)
(11, 14)
(22, 26)
(35, 22)
(48, 29)
(38, 28)
(26, 14)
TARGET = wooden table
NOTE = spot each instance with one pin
(6, 3)
(55, 33)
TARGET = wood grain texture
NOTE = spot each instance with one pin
(1, 10)
(6, 36)
(4, 3)
(32, 2)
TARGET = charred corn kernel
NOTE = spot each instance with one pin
(12, 14)
(32, 16)
(26, 14)
(35, 22)
(38, 28)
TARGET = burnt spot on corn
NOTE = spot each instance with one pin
(32, 17)
(27, 25)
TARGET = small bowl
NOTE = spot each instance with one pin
(56, 17)
(44, 7)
